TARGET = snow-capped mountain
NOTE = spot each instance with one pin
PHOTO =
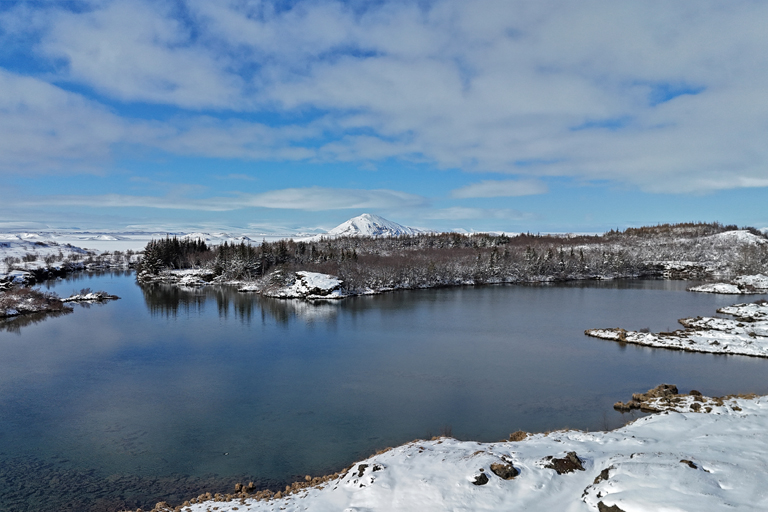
(371, 225)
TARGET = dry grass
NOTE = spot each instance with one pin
(18, 301)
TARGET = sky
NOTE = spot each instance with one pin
(290, 115)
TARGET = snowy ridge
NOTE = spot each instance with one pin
(371, 225)
(668, 461)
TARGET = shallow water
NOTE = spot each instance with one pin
(167, 393)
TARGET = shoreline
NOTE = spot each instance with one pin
(295, 289)
(576, 464)
(745, 335)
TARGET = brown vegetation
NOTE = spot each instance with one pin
(19, 301)
(446, 259)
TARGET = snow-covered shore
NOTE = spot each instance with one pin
(746, 335)
(668, 461)
(302, 285)
(742, 285)
(24, 262)
(24, 301)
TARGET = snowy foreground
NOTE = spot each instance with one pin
(746, 335)
(669, 461)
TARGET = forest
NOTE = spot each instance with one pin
(687, 250)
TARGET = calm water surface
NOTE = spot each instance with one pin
(167, 393)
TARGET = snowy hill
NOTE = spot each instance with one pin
(371, 225)
(739, 237)
(216, 238)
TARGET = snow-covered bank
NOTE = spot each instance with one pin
(747, 334)
(667, 461)
(304, 285)
(24, 262)
(742, 285)
(88, 296)
(23, 301)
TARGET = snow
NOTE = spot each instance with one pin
(723, 288)
(90, 297)
(746, 335)
(738, 237)
(757, 281)
(669, 461)
(191, 277)
(20, 249)
(371, 225)
(741, 285)
(308, 285)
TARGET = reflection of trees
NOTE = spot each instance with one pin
(15, 323)
(283, 310)
(170, 300)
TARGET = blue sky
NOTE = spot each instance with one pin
(275, 116)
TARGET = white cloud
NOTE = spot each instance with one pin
(136, 50)
(489, 85)
(501, 188)
(43, 127)
(310, 198)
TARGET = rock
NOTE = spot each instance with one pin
(481, 479)
(504, 471)
(604, 474)
(567, 464)
(602, 507)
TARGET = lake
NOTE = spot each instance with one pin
(168, 393)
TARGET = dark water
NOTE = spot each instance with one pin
(166, 393)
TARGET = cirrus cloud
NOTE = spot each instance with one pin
(309, 198)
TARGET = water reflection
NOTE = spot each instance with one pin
(177, 386)
(14, 324)
(171, 301)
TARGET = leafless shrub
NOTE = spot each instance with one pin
(28, 300)
(10, 261)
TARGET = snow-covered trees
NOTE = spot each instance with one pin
(444, 259)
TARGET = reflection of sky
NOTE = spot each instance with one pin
(167, 381)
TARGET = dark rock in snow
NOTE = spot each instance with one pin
(504, 471)
(481, 479)
(567, 464)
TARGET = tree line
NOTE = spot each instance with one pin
(437, 259)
